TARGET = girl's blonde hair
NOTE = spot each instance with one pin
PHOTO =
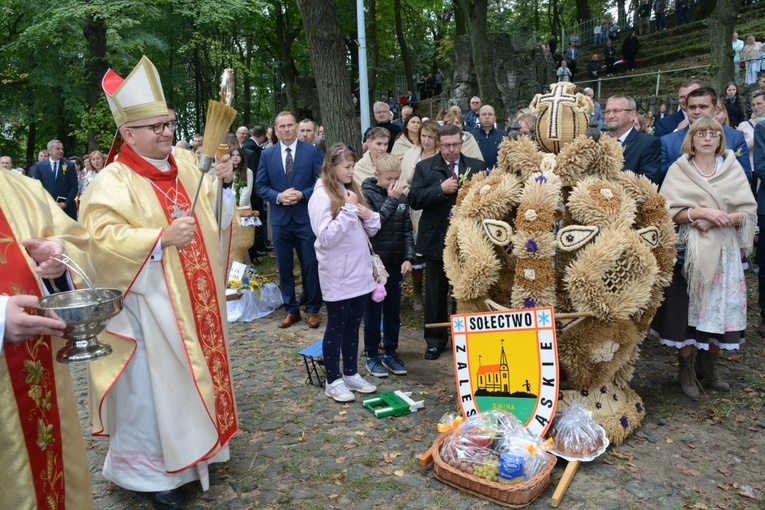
(336, 155)
(103, 159)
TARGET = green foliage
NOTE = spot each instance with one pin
(98, 120)
(50, 66)
(518, 17)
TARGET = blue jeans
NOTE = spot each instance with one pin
(342, 336)
(389, 310)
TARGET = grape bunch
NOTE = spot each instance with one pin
(488, 471)
(466, 467)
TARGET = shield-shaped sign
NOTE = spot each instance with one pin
(508, 360)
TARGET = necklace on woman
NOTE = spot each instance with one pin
(706, 176)
(177, 211)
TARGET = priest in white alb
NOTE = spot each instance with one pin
(165, 396)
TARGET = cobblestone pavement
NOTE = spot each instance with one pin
(297, 449)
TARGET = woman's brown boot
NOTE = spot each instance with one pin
(687, 377)
(705, 365)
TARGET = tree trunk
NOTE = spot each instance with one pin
(373, 50)
(460, 20)
(553, 17)
(582, 10)
(198, 103)
(328, 60)
(406, 59)
(247, 82)
(31, 155)
(286, 66)
(722, 23)
(96, 66)
(352, 46)
(476, 13)
(620, 13)
(706, 8)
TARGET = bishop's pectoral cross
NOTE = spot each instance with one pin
(8, 241)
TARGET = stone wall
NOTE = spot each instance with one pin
(520, 74)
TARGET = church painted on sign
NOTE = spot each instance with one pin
(495, 378)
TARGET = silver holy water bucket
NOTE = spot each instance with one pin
(86, 313)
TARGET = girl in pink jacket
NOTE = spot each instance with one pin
(342, 223)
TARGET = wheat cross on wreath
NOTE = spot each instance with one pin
(556, 100)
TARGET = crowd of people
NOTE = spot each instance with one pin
(567, 62)
(432, 157)
(337, 210)
(748, 56)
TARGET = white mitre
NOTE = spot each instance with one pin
(139, 96)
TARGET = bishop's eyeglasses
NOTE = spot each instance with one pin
(159, 127)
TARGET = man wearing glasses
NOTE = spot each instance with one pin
(169, 357)
(642, 152)
(383, 120)
(471, 117)
(701, 102)
(434, 190)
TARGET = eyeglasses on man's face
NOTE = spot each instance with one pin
(617, 111)
(708, 134)
(159, 127)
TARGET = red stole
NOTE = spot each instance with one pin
(30, 365)
(197, 271)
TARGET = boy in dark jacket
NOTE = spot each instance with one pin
(394, 243)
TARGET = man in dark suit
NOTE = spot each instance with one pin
(662, 112)
(701, 102)
(285, 178)
(678, 120)
(434, 190)
(642, 152)
(252, 155)
(759, 169)
(58, 177)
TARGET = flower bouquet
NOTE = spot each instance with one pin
(251, 281)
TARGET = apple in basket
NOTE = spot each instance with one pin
(478, 437)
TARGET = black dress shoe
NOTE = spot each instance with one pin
(168, 500)
(432, 353)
